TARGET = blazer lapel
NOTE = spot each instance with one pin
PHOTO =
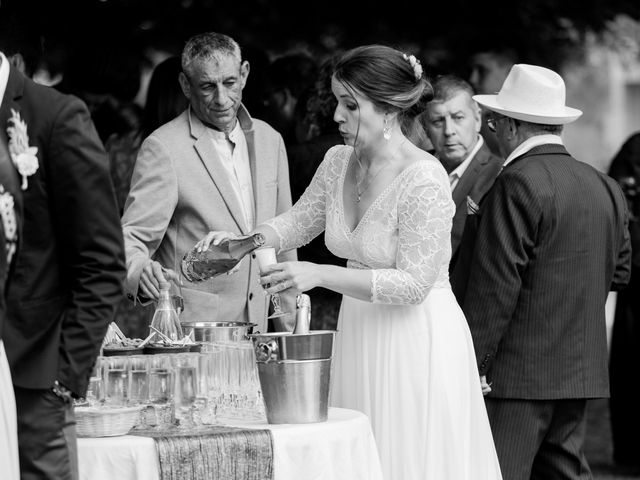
(258, 169)
(13, 92)
(466, 182)
(216, 170)
(256, 173)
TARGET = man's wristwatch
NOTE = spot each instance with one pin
(63, 392)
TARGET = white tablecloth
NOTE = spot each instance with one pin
(342, 448)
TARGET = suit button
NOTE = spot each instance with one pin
(129, 296)
(251, 296)
(253, 255)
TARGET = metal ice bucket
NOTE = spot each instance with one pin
(317, 344)
(295, 391)
(295, 375)
(219, 332)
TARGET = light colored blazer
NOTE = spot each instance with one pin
(180, 191)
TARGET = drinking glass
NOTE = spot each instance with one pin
(266, 256)
(250, 399)
(186, 386)
(161, 383)
(94, 393)
(231, 374)
(114, 371)
(202, 414)
(138, 386)
(217, 379)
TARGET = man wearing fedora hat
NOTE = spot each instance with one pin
(545, 246)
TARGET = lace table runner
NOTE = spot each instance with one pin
(213, 453)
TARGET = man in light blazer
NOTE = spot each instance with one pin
(551, 242)
(211, 168)
(453, 125)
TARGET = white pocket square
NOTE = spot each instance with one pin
(472, 207)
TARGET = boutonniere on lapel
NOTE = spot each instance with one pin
(23, 156)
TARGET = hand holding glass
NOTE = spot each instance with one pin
(266, 256)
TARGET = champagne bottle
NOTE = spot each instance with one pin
(165, 319)
(303, 314)
(198, 266)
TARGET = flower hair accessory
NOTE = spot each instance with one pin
(415, 64)
(22, 155)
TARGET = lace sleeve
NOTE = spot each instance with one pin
(425, 212)
(306, 219)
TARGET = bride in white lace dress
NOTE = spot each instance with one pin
(404, 354)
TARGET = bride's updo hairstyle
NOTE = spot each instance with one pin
(392, 80)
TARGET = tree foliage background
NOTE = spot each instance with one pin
(443, 33)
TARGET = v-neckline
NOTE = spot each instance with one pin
(381, 195)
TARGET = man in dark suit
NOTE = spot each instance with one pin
(68, 271)
(453, 126)
(551, 242)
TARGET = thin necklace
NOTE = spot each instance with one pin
(360, 191)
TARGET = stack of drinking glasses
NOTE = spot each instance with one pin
(236, 388)
(183, 390)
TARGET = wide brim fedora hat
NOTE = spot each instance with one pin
(533, 94)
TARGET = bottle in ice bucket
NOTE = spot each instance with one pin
(218, 259)
(303, 314)
(165, 318)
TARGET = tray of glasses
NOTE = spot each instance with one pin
(111, 351)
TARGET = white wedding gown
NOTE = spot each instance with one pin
(407, 363)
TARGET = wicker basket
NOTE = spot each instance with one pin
(105, 421)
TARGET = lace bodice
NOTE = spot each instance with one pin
(404, 237)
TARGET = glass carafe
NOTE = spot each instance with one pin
(165, 319)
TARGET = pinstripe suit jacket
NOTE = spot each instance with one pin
(551, 243)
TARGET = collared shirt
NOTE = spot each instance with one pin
(532, 142)
(456, 174)
(4, 75)
(234, 154)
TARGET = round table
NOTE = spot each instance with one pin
(342, 448)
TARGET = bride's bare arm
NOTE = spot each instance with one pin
(303, 276)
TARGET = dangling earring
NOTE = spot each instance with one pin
(386, 130)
